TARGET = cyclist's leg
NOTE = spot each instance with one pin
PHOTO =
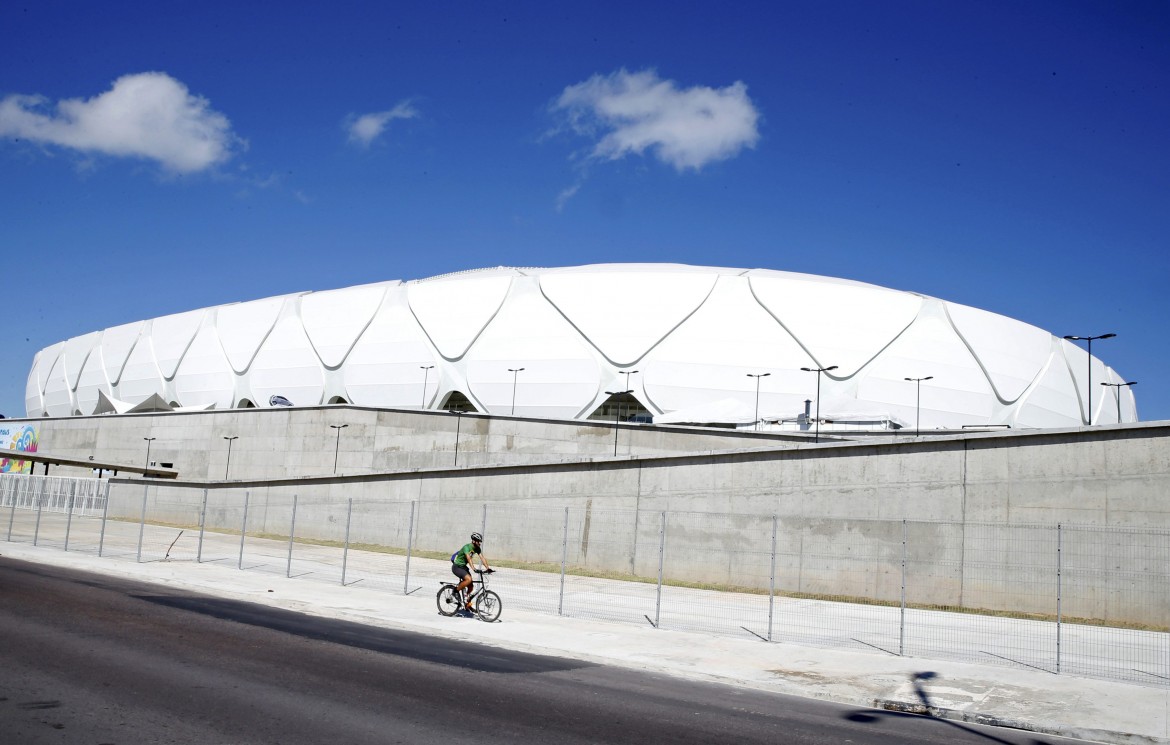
(464, 575)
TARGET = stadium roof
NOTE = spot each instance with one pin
(682, 338)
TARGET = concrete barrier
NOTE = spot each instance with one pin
(839, 505)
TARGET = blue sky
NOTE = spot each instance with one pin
(162, 157)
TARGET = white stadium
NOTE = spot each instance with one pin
(684, 344)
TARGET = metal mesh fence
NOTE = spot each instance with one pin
(222, 526)
(608, 545)
(718, 571)
(1120, 632)
(1081, 600)
(50, 510)
(530, 539)
(383, 538)
(959, 577)
(822, 561)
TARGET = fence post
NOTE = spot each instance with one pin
(345, 551)
(409, 548)
(1059, 594)
(202, 527)
(105, 514)
(40, 501)
(12, 512)
(772, 580)
(564, 558)
(142, 522)
(902, 612)
(661, 558)
(69, 515)
(244, 529)
(291, 530)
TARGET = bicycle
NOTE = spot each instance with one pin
(486, 603)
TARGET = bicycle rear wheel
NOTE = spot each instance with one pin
(488, 606)
(447, 600)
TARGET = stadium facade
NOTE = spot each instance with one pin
(690, 344)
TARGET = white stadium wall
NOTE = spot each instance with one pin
(695, 336)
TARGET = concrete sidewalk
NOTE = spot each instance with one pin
(1025, 699)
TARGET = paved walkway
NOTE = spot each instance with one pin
(1027, 699)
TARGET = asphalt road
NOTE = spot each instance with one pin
(87, 660)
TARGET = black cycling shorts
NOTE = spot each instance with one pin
(460, 571)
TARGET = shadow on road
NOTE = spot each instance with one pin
(407, 644)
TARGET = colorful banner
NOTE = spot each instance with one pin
(22, 437)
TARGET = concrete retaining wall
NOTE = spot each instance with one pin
(840, 505)
(285, 442)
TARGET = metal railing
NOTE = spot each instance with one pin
(1074, 599)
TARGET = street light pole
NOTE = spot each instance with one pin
(628, 373)
(337, 447)
(1117, 390)
(145, 471)
(426, 372)
(918, 404)
(818, 371)
(515, 374)
(458, 421)
(1089, 385)
(616, 412)
(229, 455)
(757, 376)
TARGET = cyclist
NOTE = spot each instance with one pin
(461, 564)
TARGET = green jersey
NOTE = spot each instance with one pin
(464, 556)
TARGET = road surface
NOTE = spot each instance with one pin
(93, 660)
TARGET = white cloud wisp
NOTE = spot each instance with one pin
(684, 128)
(364, 129)
(565, 195)
(146, 115)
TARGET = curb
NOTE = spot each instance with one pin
(957, 715)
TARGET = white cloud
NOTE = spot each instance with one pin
(565, 195)
(364, 129)
(685, 128)
(147, 115)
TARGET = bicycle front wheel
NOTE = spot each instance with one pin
(488, 606)
(447, 601)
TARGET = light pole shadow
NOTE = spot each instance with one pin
(925, 708)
